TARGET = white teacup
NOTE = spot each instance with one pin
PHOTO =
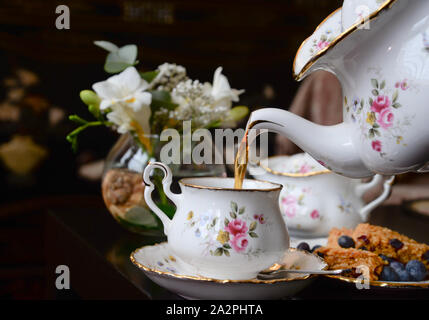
(314, 199)
(222, 232)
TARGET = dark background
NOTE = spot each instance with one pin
(255, 41)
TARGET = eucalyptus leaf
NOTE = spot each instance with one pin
(121, 59)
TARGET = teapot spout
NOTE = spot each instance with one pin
(332, 146)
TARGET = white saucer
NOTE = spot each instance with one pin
(161, 266)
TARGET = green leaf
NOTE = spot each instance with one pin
(233, 215)
(375, 126)
(377, 132)
(149, 75)
(226, 221)
(167, 208)
(162, 99)
(253, 235)
(218, 252)
(234, 206)
(371, 133)
(226, 252)
(361, 103)
(371, 101)
(375, 92)
(252, 226)
(227, 246)
(214, 222)
(396, 105)
(383, 84)
(374, 83)
(241, 211)
(237, 113)
(395, 96)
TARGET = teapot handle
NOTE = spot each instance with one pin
(363, 187)
(166, 183)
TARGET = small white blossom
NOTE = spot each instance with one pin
(204, 104)
(125, 95)
(169, 75)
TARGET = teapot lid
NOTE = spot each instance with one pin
(335, 28)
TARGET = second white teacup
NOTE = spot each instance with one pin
(314, 199)
(221, 232)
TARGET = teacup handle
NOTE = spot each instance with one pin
(166, 183)
(363, 187)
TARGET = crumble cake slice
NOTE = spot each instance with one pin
(340, 258)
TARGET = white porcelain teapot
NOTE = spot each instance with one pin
(383, 67)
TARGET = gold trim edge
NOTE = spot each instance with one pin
(382, 284)
(386, 5)
(178, 276)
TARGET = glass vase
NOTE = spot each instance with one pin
(123, 187)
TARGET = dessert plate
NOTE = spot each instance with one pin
(386, 285)
(159, 263)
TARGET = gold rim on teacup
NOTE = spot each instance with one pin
(290, 174)
(382, 284)
(200, 278)
(386, 5)
(184, 183)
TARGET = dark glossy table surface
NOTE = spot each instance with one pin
(96, 249)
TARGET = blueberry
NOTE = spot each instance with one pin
(386, 258)
(416, 269)
(403, 275)
(320, 254)
(397, 266)
(303, 246)
(395, 243)
(425, 256)
(315, 247)
(388, 274)
(346, 242)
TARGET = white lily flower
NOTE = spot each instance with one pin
(125, 95)
(221, 91)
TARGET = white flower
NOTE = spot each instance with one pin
(204, 104)
(125, 95)
(221, 90)
(169, 75)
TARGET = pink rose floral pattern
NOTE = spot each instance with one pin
(234, 234)
(376, 114)
(322, 42)
(291, 202)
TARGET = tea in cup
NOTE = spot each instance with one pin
(218, 231)
(314, 199)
